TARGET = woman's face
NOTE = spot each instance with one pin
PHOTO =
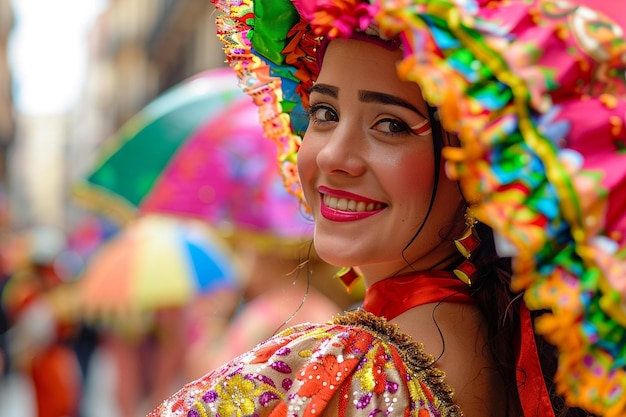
(367, 175)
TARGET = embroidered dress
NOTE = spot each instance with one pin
(358, 364)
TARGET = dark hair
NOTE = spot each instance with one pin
(501, 309)
(499, 305)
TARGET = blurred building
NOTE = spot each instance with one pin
(137, 49)
(6, 106)
(142, 47)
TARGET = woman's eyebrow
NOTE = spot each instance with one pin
(325, 89)
(376, 97)
(367, 97)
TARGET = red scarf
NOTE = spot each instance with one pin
(393, 296)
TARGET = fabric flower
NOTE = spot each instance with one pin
(340, 18)
(301, 53)
(321, 379)
(237, 395)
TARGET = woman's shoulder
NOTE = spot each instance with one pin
(357, 362)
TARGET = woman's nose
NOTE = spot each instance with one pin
(343, 151)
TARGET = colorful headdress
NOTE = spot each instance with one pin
(536, 91)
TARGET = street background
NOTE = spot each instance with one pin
(73, 75)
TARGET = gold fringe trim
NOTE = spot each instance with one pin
(420, 363)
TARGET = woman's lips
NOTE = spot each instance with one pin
(342, 206)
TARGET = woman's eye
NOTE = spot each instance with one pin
(321, 114)
(392, 126)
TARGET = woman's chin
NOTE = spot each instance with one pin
(333, 253)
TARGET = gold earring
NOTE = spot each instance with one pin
(349, 277)
(466, 244)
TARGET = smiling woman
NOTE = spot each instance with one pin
(464, 156)
(360, 148)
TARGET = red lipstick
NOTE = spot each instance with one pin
(337, 215)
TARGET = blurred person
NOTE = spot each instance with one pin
(278, 290)
(4, 327)
(5, 266)
(14, 385)
(4, 318)
(145, 351)
(38, 341)
(164, 263)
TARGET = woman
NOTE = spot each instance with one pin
(378, 173)
(368, 174)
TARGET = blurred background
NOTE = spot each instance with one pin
(145, 236)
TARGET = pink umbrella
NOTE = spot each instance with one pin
(227, 173)
(197, 150)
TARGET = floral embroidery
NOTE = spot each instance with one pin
(321, 380)
(238, 394)
(355, 361)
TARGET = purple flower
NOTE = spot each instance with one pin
(287, 383)
(363, 401)
(281, 367)
(209, 396)
(266, 397)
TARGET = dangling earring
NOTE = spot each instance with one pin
(349, 277)
(466, 244)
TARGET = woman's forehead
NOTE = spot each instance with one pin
(367, 67)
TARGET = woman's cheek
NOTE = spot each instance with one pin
(306, 167)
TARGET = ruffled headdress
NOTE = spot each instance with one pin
(536, 91)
